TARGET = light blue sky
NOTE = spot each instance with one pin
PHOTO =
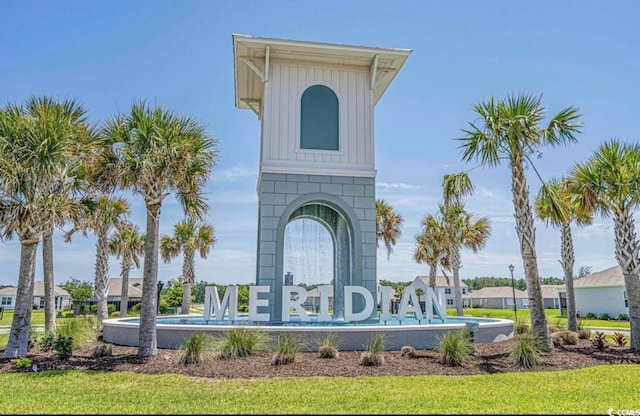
(179, 54)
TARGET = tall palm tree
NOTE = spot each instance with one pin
(388, 223)
(510, 130)
(156, 151)
(556, 206)
(609, 183)
(37, 174)
(431, 247)
(102, 214)
(127, 244)
(188, 237)
(52, 120)
(462, 230)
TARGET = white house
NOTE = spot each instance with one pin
(8, 297)
(500, 297)
(602, 292)
(422, 282)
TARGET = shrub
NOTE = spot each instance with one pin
(111, 308)
(287, 346)
(408, 351)
(623, 317)
(554, 330)
(240, 342)
(46, 342)
(569, 337)
(81, 330)
(21, 363)
(328, 347)
(556, 338)
(620, 339)
(195, 347)
(102, 350)
(599, 342)
(584, 333)
(604, 316)
(372, 355)
(456, 348)
(136, 308)
(33, 338)
(525, 353)
(590, 316)
(63, 346)
(520, 327)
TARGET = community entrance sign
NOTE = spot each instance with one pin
(316, 104)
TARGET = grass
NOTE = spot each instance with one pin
(456, 348)
(588, 390)
(552, 317)
(240, 342)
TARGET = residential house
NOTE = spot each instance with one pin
(422, 282)
(499, 297)
(8, 297)
(551, 295)
(601, 292)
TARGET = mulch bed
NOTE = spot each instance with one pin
(491, 358)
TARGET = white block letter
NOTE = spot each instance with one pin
(349, 315)
(212, 303)
(323, 314)
(254, 303)
(385, 303)
(288, 302)
(409, 294)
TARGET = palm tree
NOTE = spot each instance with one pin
(431, 247)
(555, 206)
(156, 151)
(102, 214)
(462, 229)
(388, 223)
(52, 120)
(188, 237)
(510, 130)
(37, 174)
(127, 244)
(609, 184)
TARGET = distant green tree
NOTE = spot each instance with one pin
(173, 294)
(197, 292)
(80, 292)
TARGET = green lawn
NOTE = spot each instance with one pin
(553, 318)
(588, 390)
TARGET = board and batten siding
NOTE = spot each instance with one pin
(281, 121)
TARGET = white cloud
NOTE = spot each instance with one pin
(235, 174)
(397, 185)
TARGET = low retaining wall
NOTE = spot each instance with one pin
(352, 338)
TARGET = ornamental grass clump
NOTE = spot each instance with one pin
(456, 348)
(195, 347)
(372, 355)
(408, 351)
(287, 346)
(584, 333)
(102, 350)
(526, 353)
(240, 342)
(328, 347)
(81, 330)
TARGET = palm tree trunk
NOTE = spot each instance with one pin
(18, 343)
(147, 345)
(187, 280)
(527, 236)
(49, 283)
(457, 295)
(627, 256)
(102, 276)
(124, 292)
(567, 266)
(433, 269)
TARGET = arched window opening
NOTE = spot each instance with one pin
(319, 116)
